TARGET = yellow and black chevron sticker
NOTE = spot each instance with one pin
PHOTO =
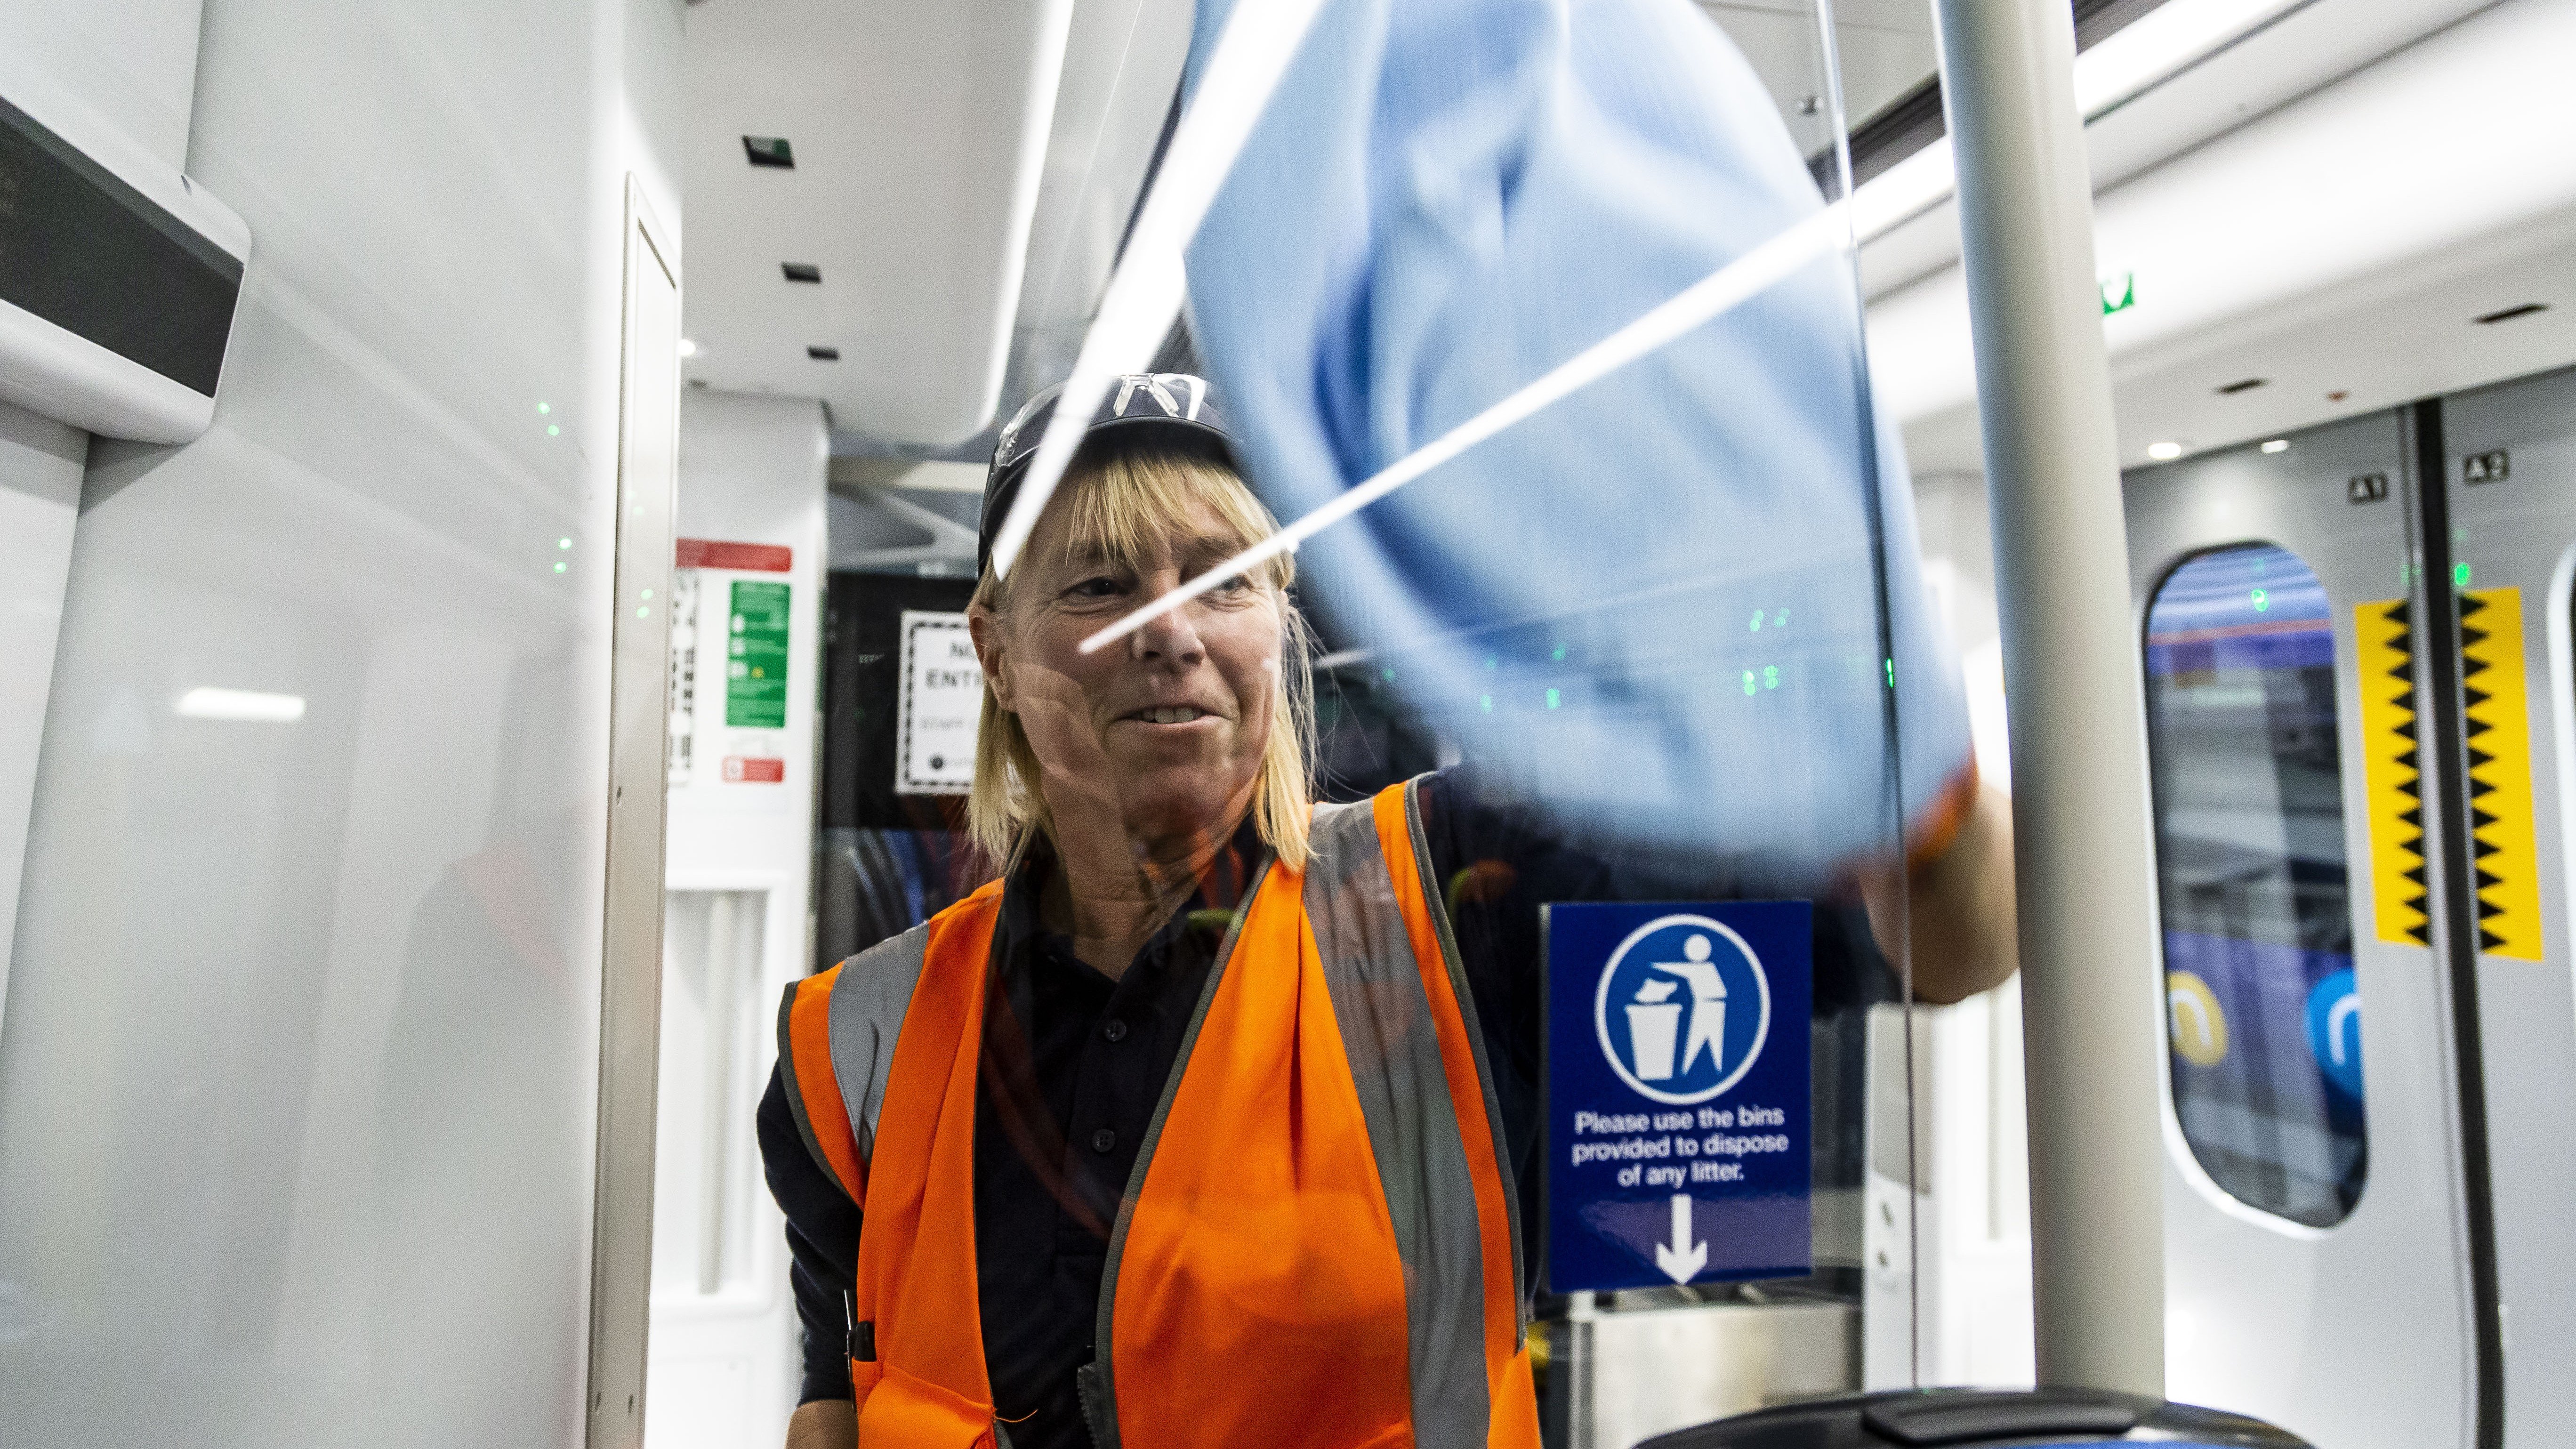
(2384, 638)
(2497, 731)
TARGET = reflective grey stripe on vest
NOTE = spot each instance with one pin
(1393, 1042)
(1445, 929)
(869, 999)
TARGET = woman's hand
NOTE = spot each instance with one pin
(1957, 906)
(824, 1424)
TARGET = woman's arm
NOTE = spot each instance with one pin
(1957, 906)
(824, 1424)
(823, 1249)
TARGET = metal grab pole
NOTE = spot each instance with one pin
(2091, 1010)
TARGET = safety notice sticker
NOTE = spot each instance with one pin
(756, 674)
(1678, 1093)
(941, 706)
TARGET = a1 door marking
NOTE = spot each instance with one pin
(2384, 644)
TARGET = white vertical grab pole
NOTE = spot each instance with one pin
(723, 958)
(2080, 792)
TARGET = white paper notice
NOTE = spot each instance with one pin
(943, 697)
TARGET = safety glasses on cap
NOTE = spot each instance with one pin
(1176, 408)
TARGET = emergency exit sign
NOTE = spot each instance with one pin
(756, 663)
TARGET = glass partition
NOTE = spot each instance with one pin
(1656, 658)
(1480, 931)
(2264, 1014)
(1452, 829)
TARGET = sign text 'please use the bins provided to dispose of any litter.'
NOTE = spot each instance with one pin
(1678, 1097)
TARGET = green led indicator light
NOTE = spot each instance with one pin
(552, 431)
(559, 568)
(1756, 626)
(1390, 676)
(1748, 681)
(543, 408)
(1770, 676)
(1891, 674)
(2460, 574)
(2262, 601)
(1490, 663)
(1487, 701)
(1552, 700)
(644, 613)
(563, 543)
(1559, 655)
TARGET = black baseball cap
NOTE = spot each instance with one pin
(1169, 409)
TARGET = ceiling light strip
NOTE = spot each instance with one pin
(1145, 292)
(2144, 54)
(1702, 302)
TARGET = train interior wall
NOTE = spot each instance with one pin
(298, 1062)
(2261, 291)
(2235, 1265)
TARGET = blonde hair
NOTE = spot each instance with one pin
(1123, 507)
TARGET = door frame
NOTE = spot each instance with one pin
(639, 717)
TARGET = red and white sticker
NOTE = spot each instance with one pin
(716, 553)
(752, 770)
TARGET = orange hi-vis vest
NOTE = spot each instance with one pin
(1319, 1245)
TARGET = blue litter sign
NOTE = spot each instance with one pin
(1679, 1099)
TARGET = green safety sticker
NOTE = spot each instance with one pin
(756, 672)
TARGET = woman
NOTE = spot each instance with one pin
(1199, 1126)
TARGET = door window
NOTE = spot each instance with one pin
(2263, 1018)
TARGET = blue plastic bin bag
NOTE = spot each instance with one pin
(1654, 606)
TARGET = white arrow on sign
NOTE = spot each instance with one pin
(1685, 1255)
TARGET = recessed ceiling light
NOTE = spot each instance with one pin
(2243, 384)
(688, 347)
(2509, 313)
(801, 271)
(769, 151)
(2277, 445)
(2164, 452)
(824, 354)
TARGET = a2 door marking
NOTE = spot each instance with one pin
(2498, 736)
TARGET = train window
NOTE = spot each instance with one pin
(2263, 1019)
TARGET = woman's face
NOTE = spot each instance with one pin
(1162, 731)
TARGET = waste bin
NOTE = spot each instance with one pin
(1971, 1419)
